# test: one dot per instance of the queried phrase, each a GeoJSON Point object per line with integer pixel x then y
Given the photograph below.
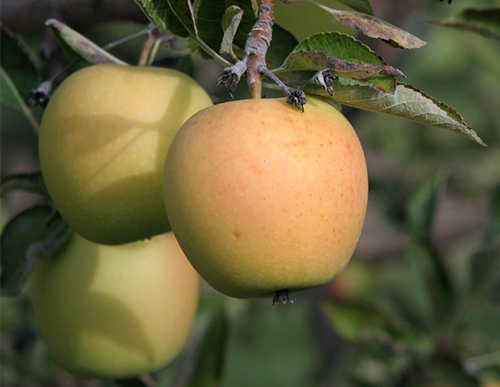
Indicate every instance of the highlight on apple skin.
{"type": "Point", "coordinates": [103, 141]}
{"type": "Point", "coordinates": [263, 198]}
{"type": "Point", "coordinates": [114, 312]}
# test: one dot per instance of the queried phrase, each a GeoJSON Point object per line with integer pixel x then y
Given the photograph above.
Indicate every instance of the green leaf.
{"type": "Point", "coordinates": [195, 48]}
{"type": "Point", "coordinates": [184, 14]}
{"type": "Point", "coordinates": [485, 271]}
{"type": "Point", "coordinates": [345, 56]}
{"type": "Point", "coordinates": [437, 280]}
{"type": "Point", "coordinates": [484, 21]}
{"type": "Point", "coordinates": [10, 96]}
{"type": "Point", "coordinates": [19, 63]}
{"type": "Point", "coordinates": [421, 214]}
{"type": "Point", "coordinates": [274, 346]}
{"type": "Point", "coordinates": [359, 322]}
{"type": "Point", "coordinates": [79, 46]}
{"type": "Point", "coordinates": [173, 16]}
{"type": "Point", "coordinates": [209, 364]}
{"type": "Point", "coordinates": [484, 324]}
{"type": "Point", "coordinates": [422, 209]}
{"type": "Point", "coordinates": [283, 42]}
{"type": "Point", "coordinates": [406, 102]}
{"type": "Point", "coordinates": [495, 228]}
{"type": "Point", "coordinates": [178, 17]}
{"type": "Point", "coordinates": [18, 74]}
{"type": "Point", "coordinates": [451, 371]}
{"type": "Point", "coordinates": [496, 293]}
{"type": "Point", "coordinates": [355, 322]}
{"type": "Point", "coordinates": [374, 27]}
{"type": "Point", "coordinates": [318, 60]}
{"type": "Point", "coordinates": [363, 6]}
{"type": "Point", "coordinates": [208, 16]}
{"type": "Point", "coordinates": [230, 22]}
{"type": "Point", "coordinates": [29, 182]}
{"type": "Point", "coordinates": [35, 233]}
{"type": "Point", "coordinates": [247, 21]}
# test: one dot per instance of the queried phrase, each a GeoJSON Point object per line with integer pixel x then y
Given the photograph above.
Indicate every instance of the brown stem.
{"type": "Point", "coordinates": [153, 34]}
{"type": "Point", "coordinates": [256, 47]}
{"type": "Point", "coordinates": [253, 63]}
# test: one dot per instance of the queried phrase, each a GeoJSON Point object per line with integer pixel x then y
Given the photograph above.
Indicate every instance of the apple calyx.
{"type": "Point", "coordinates": [282, 296]}
{"type": "Point", "coordinates": [297, 98]}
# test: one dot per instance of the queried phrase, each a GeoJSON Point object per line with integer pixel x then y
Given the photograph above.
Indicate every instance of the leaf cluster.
{"type": "Point", "coordinates": [366, 81]}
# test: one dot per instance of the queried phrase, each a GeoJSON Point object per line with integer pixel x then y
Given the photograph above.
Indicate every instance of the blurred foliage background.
{"type": "Point", "coordinates": [419, 304]}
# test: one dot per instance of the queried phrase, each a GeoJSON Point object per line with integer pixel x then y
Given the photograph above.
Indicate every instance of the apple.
{"type": "Point", "coordinates": [103, 141]}
{"type": "Point", "coordinates": [115, 311]}
{"type": "Point", "coordinates": [304, 19]}
{"type": "Point", "coordinates": [263, 198]}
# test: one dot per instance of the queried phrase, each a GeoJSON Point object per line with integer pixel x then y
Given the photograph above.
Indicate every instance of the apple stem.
{"type": "Point", "coordinates": [256, 47]}
{"type": "Point", "coordinates": [282, 296]}
{"type": "Point", "coordinates": [254, 59]}
{"type": "Point", "coordinates": [151, 39]}
{"type": "Point", "coordinates": [253, 63]}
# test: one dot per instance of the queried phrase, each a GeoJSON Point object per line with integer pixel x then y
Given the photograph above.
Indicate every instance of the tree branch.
{"type": "Point", "coordinates": [256, 47]}
{"type": "Point", "coordinates": [253, 63]}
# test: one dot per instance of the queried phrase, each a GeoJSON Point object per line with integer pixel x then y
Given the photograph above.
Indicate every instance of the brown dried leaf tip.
{"type": "Point", "coordinates": [325, 79]}
{"type": "Point", "coordinates": [231, 76]}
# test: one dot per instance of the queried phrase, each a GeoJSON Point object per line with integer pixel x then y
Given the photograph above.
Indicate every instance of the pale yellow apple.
{"type": "Point", "coordinates": [262, 197]}
{"type": "Point", "coordinates": [103, 141]}
{"type": "Point", "coordinates": [115, 311]}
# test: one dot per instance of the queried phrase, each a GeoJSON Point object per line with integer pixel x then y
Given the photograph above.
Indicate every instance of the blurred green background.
{"type": "Point", "coordinates": [417, 306]}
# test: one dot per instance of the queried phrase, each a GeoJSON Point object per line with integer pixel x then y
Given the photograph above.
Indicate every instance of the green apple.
{"type": "Point", "coordinates": [103, 141]}
{"type": "Point", "coordinates": [305, 19]}
{"type": "Point", "coordinates": [115, 311]}
{"type": "Point", "coordinates": [263, 197]}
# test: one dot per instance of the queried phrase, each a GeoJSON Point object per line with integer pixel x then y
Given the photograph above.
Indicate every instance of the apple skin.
{"type": "Point", "coordinates": [115, 311]}
{"type": "Point", "coordinates": [103, 141]}
{"type": "Point", "coordinates": [262, 197]}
